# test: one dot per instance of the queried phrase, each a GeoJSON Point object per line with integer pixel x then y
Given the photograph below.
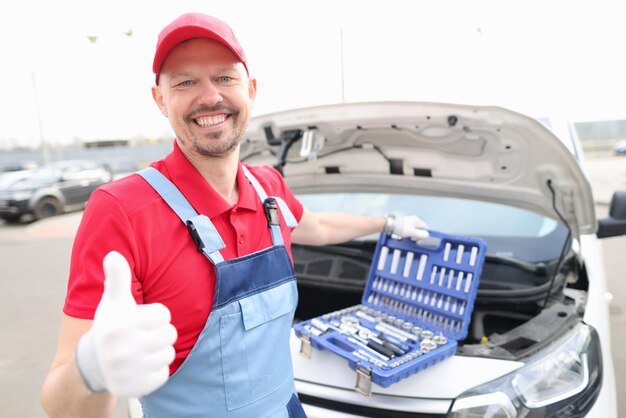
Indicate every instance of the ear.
{"type": "Point", "coordinates": [252, 88]}
{"type": "Point", "coordinates": [159, 99]}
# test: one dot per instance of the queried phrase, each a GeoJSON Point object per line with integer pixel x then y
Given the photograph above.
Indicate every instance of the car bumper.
{"type": "Point", "coordinates": [13, 207]}
{"type": "Point", "coordinates": [328, 405]}
{"type": "Point", "coordinates": [422, 395]}
{"type": "Point", "coordinates": [324, 401]}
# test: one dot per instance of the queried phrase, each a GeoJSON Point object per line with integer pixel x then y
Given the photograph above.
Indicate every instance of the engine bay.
{"type": "Point", "coordinates": [520, 305]}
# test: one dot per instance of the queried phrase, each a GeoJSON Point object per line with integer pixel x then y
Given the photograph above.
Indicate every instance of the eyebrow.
{"type": "Point", "coordinates": [180, 74]}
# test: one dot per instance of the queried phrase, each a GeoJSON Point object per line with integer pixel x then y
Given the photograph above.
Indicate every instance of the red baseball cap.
{"type": "Point", "coordinates": [195, 25]}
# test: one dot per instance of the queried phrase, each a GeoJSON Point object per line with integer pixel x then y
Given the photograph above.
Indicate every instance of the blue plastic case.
{"type": "Point", "coordinates": [425, 289]}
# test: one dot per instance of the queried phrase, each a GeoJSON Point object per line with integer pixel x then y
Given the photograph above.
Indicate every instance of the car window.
{"type": "Point", "coordinates": [46, 174]}
{"type": "Point", "coordinates": [510, 231]}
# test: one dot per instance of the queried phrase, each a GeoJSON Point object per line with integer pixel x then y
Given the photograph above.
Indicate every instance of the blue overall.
{"type": "Point", "coordinates": [240, 367]}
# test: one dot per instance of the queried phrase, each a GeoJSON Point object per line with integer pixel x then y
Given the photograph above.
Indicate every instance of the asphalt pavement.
{"type": "Point", "coordinates": [33, 275]}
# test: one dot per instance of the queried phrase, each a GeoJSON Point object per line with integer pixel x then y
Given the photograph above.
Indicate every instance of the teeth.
{"type": "Point", "coordinates": [205, 121]}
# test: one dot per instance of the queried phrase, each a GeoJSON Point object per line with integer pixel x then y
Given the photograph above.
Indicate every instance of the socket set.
{"type": "Point", "coordinates": [417, 303]}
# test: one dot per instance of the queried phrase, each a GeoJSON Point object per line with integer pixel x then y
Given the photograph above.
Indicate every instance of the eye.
{"type": "Point", "coordinates": [225, 78]}
{"type": "Point", "coordinates": [185, 83]}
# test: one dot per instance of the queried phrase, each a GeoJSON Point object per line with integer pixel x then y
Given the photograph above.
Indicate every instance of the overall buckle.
{"type": "Point", "coordinates": [193, 231]}
{"type": "Point", "coordinates": [271, 211]}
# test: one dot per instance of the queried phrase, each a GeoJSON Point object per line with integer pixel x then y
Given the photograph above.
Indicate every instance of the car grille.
{"type": "Point", "coordinates": [361, 410]}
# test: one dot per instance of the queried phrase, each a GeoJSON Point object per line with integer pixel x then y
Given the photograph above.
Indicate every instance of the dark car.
{"type": "Point", "coordinates": [52, 189]}
{"type": "Point", "coordinates": [18, 166]}
{"type": "Point", "coordinates": [620, 148]}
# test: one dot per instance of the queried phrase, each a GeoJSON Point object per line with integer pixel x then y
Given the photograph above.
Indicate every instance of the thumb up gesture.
{"type": "Point", "coordinates": [129, 347]}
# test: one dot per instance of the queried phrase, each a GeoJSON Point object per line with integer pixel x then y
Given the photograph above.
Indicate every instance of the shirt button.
{"type": "Point", "coordinates": [234, 210]}
{"type": "Point", "coordinates": [242, 239]}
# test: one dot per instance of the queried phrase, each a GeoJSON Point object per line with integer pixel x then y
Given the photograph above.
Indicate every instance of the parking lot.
{"type": "Point", "coordinates": [35, 266]}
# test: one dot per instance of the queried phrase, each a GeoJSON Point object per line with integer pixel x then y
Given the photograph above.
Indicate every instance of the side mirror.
{"type": "Point", "coordinates": [615, 224]}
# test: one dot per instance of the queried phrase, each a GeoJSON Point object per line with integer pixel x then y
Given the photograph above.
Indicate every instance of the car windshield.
{"type": "Point", "coordinates": [509, 231]}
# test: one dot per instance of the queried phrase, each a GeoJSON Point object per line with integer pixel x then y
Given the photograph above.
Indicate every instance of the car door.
{"type": "Point", "coordinates": [73, 184]}
{"type": "Point", "coordinates": [80, 180]}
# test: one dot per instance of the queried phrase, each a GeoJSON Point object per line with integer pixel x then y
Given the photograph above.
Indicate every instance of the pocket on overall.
{"type": "Point", "coordinates": [256, 359]}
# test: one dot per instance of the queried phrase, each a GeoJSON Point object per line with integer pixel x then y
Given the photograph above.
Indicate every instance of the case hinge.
{"type": "Point", "coordinates": [305, 346]}
{"type": "Point", "coordinates": [363, 380]}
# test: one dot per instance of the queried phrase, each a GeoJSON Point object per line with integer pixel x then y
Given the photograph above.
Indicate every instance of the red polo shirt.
{"type": "Point", "coordinates": [130, 217]}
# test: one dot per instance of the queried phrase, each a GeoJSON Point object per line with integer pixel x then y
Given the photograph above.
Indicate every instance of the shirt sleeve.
{"type": "Point", "coordinates": [104, 227]}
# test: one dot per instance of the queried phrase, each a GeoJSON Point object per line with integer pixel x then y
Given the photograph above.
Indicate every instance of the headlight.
{"type": "Point", "coordinates": [563, 380]}
{"type": "Point", "coordinates": [21, 195]}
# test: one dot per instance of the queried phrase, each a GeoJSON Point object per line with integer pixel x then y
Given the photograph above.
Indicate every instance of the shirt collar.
{"type": "Point", "coordinates": [248, 197]}
{"type": "Point", "coordinates": [199, 192]}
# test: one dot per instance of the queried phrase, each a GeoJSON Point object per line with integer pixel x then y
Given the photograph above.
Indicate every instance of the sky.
{"type": "Point", "coordinates": [536, 57]}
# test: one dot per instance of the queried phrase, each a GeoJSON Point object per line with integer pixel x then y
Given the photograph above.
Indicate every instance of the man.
{"type": "Point", "coordinates": [191, 308]}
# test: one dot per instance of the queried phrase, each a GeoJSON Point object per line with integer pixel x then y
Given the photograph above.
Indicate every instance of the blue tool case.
{"type": "Point", "coordinates": [417, 303]}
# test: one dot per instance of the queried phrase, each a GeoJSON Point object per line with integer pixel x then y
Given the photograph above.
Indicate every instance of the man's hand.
{"type": "Point", "coordinates": [406, 227]}
{"type": "Point", "coordinates": [129, 348]}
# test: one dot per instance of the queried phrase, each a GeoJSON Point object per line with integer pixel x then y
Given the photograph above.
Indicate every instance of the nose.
{"type": "Point", "coordinates": [210, 93]}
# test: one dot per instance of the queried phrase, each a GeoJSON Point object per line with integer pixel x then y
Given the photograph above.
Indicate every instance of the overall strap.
{"type": "Point", "coordinates": [200, 227]}
{"type": "Point", "coordinates": [269, 204]}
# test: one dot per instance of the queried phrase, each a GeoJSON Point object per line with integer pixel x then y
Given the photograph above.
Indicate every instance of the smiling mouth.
{"type": "Point", "coordinates": [207, 121]}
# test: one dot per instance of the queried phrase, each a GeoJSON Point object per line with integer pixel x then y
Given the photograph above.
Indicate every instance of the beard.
{"type": "Point", "coordinates": [213, 144]}
{"type": "Point", "coordinates": [213, 148]}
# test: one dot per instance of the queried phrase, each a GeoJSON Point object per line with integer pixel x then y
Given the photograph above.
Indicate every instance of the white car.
{"type": "Point", "coordinates": [539, 341]}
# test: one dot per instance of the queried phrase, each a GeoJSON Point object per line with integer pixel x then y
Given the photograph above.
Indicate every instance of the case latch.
{"type": "Point", "coordinates": [305, 346]}
{"type": "Point", "coordinates": [363, 380]}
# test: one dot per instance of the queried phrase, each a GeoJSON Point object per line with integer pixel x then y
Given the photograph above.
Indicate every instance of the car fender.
{"type": "Point", "coordinates": [44, 192]}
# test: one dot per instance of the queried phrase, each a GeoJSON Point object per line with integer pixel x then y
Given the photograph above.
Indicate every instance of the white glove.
{"type": "Point", "coordinates": [129, 347]}
{"type": "Point", "coordinates": [406, 227]}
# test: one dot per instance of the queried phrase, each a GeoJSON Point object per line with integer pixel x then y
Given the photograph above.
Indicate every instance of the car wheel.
{"type": "Point", "coordinates": [46, 207]}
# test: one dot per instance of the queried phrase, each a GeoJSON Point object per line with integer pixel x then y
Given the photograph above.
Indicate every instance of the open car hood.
{"type": "Point", "coordinates": [478, 152]}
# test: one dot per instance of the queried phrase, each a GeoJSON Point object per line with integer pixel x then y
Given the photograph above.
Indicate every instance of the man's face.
{"type": "Point", "coordinates": [207, 96]}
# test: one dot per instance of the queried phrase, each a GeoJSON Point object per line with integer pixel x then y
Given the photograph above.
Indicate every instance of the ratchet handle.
{"type": "Point", "coordinates": [381, 349]}
{"type": "Point", "coordinates": [397, 350]}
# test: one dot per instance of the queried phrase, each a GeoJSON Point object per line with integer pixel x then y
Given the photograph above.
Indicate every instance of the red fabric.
{"type": "Point", "coordinates": [130, 217]}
